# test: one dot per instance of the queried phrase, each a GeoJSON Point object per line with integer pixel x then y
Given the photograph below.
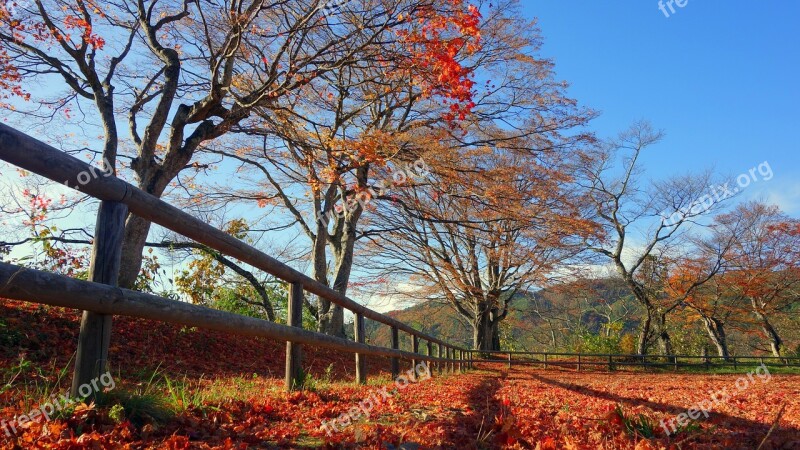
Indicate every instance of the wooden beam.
{"type": "Point", "coordinates": [91, 359]}
{"type": "Point", "coordinates": [36, 286]}
{"type": "Point", "coordinates": [294, 351]}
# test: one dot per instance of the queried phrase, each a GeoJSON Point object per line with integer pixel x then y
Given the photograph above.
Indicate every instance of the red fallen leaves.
{"type": "Point", "coordinates": [519, 409]}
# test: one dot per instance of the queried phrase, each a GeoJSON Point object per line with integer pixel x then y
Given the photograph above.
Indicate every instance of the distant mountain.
{"type": "Point", "coordinates": [535, 321]}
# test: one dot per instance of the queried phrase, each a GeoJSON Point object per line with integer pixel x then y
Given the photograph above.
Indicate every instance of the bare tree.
{"type": "Point", "coordinates": [642, 225]}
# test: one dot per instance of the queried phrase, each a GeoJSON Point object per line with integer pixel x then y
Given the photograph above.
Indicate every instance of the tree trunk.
{"type": "Point", "coordinates": [331, 319]}
{"type": "Point", "coordinates": [664, 339]}
{"type": "Point", "coordinates": [644, 334]}
{"type": "Point", "coordinates": [775, 341]}
{"type": "Point", "coordinates": [153, 179]}
{"type": "Point", "coordinates": [136, 231]}
{"type": "Point", "coordinates": [716, 331]}
{"type": "Point", "coordinates": [486, 332]}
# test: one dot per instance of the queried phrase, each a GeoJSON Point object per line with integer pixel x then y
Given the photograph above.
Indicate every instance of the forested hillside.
{"type": "Point", "coordinates": [586, 316]}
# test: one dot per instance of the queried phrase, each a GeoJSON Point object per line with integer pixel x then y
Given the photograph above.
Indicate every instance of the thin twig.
{"type": "Point", "coordinates": [774, 425]}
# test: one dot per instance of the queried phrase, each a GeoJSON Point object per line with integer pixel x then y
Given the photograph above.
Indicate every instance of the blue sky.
{"type": "Point", "coordinates": [721, 78]}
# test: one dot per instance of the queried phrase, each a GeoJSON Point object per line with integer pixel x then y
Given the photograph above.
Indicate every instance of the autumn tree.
{"type": "Point", "coordinates": [710, 300]}
{"type": "Point", "coordinates": [478, 241]}
{"type": "Point", "coordinates": [763, 264]}
{"type": "Point", "coordinates": [475, 232]}
{"type": "Point", "coordinates": [178, 74]}
{"type": "Point", "coordinates": [358, 132]}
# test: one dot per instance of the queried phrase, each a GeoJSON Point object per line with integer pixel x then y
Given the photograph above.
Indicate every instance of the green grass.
{"type": "Point", "coordinates": [34, 384]}
{"type": "Point", "coordinates": [637, 425]}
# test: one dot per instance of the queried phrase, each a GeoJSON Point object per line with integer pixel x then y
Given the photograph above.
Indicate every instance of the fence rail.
{"type": "Point", "coordinates": [100, 299]}
{"type": "Point", "coordinates": [613, 361]}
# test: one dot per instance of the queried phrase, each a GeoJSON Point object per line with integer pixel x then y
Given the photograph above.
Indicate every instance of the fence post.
{"type": "Point", "coordinates": [361, 362]}
{"type": "Point", "coordinates": [735, 366]}
{"type": "Point", "coordinates": [545, 360]}
{"type": "Point", "coordinates": [430, 353]}
{"type": "Point", "coordinates": [414, 349]}
{"type": "Point", "coordinates": [395, 346]}
{"type": "Point", "coordinates": [439, 362]}
{"type": "Point", "coordinates": [460, 361]}
{"type": "Point", "coordinates": [448, 364]}
{"type": "Point", "coordinates": [610, 363]}
{"type": "Point", "coordinates": [509, 360]}
{"type": "Point", "coordinates": [91, 359]}
{"type": "Point", "coordinates": [294, 352]}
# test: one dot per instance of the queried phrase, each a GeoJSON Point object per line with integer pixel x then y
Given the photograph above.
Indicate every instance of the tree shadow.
{"type": "Point", "coordinates": [475, 426]}
{"type": "Point", "coordinates": [781, 437]}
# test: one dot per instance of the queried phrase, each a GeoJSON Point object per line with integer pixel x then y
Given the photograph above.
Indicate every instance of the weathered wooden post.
{"type": "Point", "coordinates": [509, 360]}
{"type": "Point", "coordinates": [294, 352]}
{"type": "Point", "coordinates": [91, 359]}
{"type": "Point", "coordinates": [450, 355]}
{"type": "Point", "coordinates": [414, 349]}
{"type": "Point", "coordinates": [395, 346]}
{"type": "Point", "coordinates": [460, 361]}
{"type": "Point", "coordinates": [430, 353]}
{"type": "Point", "coordinates": [439, 362]}
{"type": "Point", "coordinates": [361, 361]}
{"type": "Point", "coordinates": [545, 360]}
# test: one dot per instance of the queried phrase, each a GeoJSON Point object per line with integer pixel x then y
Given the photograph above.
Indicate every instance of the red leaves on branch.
{"type": "Point", "coordinates": [34, 28]}
{"type": "Point", "coordinates": [439, 42]}
{"type": "Point", "coordinates": [85, 28]}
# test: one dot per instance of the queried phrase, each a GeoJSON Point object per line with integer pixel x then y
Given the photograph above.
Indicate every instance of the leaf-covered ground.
{"type": "Point", "coordinates": [225, 392]}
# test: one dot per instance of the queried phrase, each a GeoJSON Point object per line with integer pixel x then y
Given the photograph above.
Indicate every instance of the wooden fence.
{"type": "Point", "coordinates": [613, 361]}
{"type": "Point", "coordinates": [101, 299]}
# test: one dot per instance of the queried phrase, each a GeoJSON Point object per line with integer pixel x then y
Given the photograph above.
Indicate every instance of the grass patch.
{"type": "Point", "coordinates": [637, 425]}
